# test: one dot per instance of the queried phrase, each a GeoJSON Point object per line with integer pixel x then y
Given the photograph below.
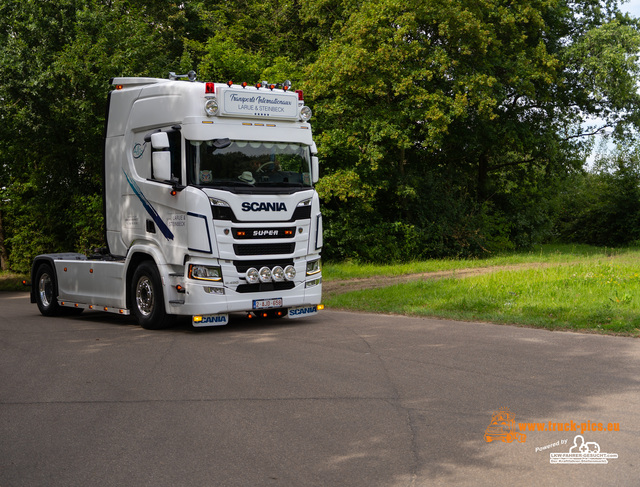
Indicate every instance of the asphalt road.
{"type": "Point", "coordinates": [341, 399]}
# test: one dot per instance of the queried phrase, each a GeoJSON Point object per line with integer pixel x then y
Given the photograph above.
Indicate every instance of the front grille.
{"type": "Point", "coordinates": [262, 233]}
{"type": "Point", "coordinates": [264, 249]}
{"type": "Point", "coordinates": [243, 266]}
{"type": "Point", "coordinates": [266, 287]}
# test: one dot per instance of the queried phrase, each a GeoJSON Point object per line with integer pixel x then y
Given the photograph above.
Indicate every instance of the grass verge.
{"type": "Point", "coordinates": [595, 289]}
{"type": "Point", "coordinates": [547, 254]}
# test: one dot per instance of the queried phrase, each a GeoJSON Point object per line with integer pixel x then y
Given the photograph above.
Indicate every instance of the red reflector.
{"type": "Point", "coordinates": [300, 95]}
{"type": "Point", "coordinates": [209, 88]}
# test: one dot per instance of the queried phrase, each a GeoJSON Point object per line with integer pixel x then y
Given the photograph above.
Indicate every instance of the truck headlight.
{"type": "Point", "coordinates": [277, 273]}
{"type": "Point", "coordinates": [290, 273]}
{"type": "Point", "coordinates": [252, 276]}
{"type": "Point", "coordinates": [313, 267]}
{"type": "Point", "coordinates": [265, 274]}
{"type": "Point", "coordinates": [205, 272]}
{"type": "Point", "coordinates": [211, 107]}
{"type": "Point", "coordinates": [217, 202]}
{"type": "Point", "coordinates": [305, 113]}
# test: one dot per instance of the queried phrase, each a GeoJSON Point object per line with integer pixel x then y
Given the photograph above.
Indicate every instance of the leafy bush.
{"type": "Point", "coordinates": [602, 205]}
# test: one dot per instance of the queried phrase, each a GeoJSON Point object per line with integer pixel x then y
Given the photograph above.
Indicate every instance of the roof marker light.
{"type": "Point", "coordinates": [245, 84]}
{"type": "Point", "coordinates": [229, 83]}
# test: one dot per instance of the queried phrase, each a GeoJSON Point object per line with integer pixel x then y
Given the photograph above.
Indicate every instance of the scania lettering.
{"type": "Point", "coordinates": [212, 320]}
{"type": "Point", "coordinates": [209, 208]}
{"type": "Point", "coordinates": [246, 206]}
{"type": "Point", "coordinates": [306, 311]}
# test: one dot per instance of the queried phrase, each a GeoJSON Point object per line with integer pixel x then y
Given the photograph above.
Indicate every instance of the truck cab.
{"type": "Point", "coordinates": [209, 208]}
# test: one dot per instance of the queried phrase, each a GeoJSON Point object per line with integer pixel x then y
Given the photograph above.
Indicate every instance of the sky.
{"type": "Point", "coordinates": [633, 8]}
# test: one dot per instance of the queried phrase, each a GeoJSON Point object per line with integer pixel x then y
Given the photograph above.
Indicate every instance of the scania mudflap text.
{"type": "Point", "coordinates": [209, 208]}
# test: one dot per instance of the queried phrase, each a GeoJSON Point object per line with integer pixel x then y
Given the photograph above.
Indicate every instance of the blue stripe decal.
{"type": "Point", "coordinates": [150, 209]}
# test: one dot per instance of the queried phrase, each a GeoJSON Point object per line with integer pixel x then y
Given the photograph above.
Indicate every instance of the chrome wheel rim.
{"type": "Point", "coordinates": [45, 290]}
{"type": "Point", "coordinates": [144, 296]}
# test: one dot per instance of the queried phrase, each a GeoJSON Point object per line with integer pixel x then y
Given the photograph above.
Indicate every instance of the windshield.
{"type": "Point", "coordinates": [248, 163]}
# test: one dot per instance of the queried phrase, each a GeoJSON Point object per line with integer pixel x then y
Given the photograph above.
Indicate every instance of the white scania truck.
{"type": "Point", "coordinates": [209, 208]}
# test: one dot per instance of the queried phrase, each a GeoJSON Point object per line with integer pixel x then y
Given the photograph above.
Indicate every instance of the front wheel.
{"type": "Point", "coordinates": [147, 300]}
{"type": "Point", "coordinates": [46, 295]}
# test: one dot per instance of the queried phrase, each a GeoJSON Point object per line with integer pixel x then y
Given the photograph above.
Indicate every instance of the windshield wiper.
{"type": "Point", "coordinates": [231, 183]}
{"type": "Point", "coordinates": [280, 183]}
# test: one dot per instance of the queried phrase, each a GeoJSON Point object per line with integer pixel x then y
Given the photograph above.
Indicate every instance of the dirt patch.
{"type": "Point", "coordinates": [332, 288]}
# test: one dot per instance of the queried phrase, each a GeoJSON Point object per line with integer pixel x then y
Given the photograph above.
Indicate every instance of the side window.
{"type": "Point", "coordinates": [175, 147]}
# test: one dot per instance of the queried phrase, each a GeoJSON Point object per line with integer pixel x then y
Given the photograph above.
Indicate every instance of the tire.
{"type": "Point", "coordinates": [147, 300]}
{"type": "Point", "coordinates": [46, 291]}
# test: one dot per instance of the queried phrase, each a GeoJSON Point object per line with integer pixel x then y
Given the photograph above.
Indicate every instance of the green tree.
{"type": "Point", "coordinates": [56, 60]}
{"type": "Point", "coordinates": [485, 98]}
{"type": "Point", "coordinates": [601, 206]}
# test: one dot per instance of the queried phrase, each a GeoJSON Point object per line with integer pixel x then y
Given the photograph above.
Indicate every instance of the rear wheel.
{"type": "Point", "coordinates": [147, 299]}
{"type": "Point", "coordinates": [46, 296]}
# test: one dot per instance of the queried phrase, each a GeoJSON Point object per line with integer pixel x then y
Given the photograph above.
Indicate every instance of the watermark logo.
{"type": "Point", "coordinates": [503, 428]}
{"type": "Point", "coordinates": [582, 452]}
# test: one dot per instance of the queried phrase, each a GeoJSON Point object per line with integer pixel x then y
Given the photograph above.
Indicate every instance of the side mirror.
{"type": "Point", "coordinates": [159, 141]}
{"type": "Point", "coordinates": [161, 157]}
{"type": "Point", "coordinates": [161, 165]}
{"type": "Point", "coordinates": [315, 169]}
